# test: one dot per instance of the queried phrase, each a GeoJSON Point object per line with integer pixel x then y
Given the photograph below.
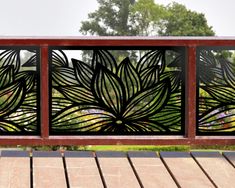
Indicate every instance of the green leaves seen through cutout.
{"type": "Point", "coordinates": [104, 58]}
{"type": "Point", "coordinates": [129, 77]}
{"type": "Point", "coordinates": [148, 102]}
{"type": "Point", "coordinates": [18, 90]}
{"type": "Point", "coordinates": [77, 94]}
{"type": "Point", "coordinates": [10, 58]}
{"type": "Point", "coordinates": [109, 96]}
{"type": "Point", "coordinates": [11, 97]}
{"type": "Point", "coordinates": [83, 73]}
{"type": "Point", "coordinates": [108, 88]}
{"type": "Point", "coordinates": [6, 75]}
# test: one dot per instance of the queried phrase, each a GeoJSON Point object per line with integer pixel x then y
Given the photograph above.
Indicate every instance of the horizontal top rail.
{"type": "Point", "coordinates": [119, 41]}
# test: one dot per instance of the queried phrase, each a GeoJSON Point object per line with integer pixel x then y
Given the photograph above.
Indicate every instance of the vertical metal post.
{"type": "Point", "coordinates": [190, 97]}
{"type": "Point", "coordinates": [44, 93]}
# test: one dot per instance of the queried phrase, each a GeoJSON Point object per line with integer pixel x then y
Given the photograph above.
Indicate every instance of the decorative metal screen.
{"type": "Point", "coordinates": [19, 91]}
{"type": "Point", "coordinates": [216, 91]}
{"type": "Point", "coordinates": [117, 91]}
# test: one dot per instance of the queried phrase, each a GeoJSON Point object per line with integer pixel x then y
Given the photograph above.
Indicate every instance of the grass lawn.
{"type": "Point", "coordinates": [125, 148]}
{"type": "Point", "coordinates": [158, 148]}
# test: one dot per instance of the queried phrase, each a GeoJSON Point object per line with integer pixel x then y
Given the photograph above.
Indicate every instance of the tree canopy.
{"type": "Point", "coordinates": [179, 21]}
{"type": "Point", "coordinates": [144, 18]}
{"type": "Point", "coordinates": [111, 18]}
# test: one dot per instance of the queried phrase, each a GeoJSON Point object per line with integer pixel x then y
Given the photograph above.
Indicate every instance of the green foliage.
{"type": "Point", "coordinates": [144, 18]}
{"type": "Point", "coordinates": [110, 19]}
{"type": "Point", "coordinates": [126, 148]}
{"type": "Point", "coordinates": [179, 21]}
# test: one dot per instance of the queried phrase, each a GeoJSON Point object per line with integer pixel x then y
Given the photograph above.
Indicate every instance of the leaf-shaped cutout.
{"type": "Point", "coordinates": [6, 75]}
{"type": "Point", "coordinates": [149, 76]}
{"type": "Point", "coordinates": [59, 102]}
{"type": "Point", "coordinates": [11, 97]}
{"type": "Point", "coordinates": [108, 89]}
{"type": "Point", "coordinates": [148, 102]}
{"type": "Point", "coordinates": [169, 116]}
{"type": "Point", "coordinates": [10, 58]}
{"type": "Point", "coordinates": [228, 69]}
{"type": "Point", "coordinates": [207, 58]}
{"type": "Point", "coordinates": [222, 118]}
{"type": "Point", "coordinates": [31, 62]}
{"type": "Point", "coordinates": [176, 62]}
{"type": "Point", "coordinates": [147, 126]}
{"type": "Point", "coordinates": [211, 76]}
{"type": "Point", "coordinates": [29, 77]}
{"type": "Point", "coordinates": [59, 59]}
{"type": "Point", "coordinates": [129, 77]}
{"type": "Point", "coordinates": [63, 76]}
{"type": "Point", "coordinates": [217, 113]}
{"type": "Point", "coordinates": [152, 59]}
{"type": "Point", "coordinates": [76, 94]}
{"type": "Point", "coordinates": [206, 102]}
{"type": "Point", "coordinates": [104, 58]}
{"type": "Point", "coordinates": [9, 127]}
{"type": "Point", "coordinates": [175, 78]}
{"type": "Point", "coordinates": [23, 117]}
{"type": "Point", "coordinates": [83, 73]}
{"type": "Point", "coordinates": [30, 101]}
{"type": "Point", "coordinates": [81, 119]}
{"type": "Point", "coordinates": [223, 94]}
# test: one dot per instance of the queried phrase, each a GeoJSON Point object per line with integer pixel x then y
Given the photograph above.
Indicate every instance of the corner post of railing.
{"type": "Point", "coordinates": [190, 97]}
{"type": "Point", "coordinates": [44, 93]}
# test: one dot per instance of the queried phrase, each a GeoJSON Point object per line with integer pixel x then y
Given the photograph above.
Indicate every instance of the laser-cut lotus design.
{"type": "Point", "coordinates": [104, 97]}
{"type": "Point", "coordinates": [216, 93]}
{"type": "Point", "coordinates": [17, 92]}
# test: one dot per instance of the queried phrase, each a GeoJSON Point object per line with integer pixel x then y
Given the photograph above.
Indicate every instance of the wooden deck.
{"type": "Point", "coordinates": [116, 169]}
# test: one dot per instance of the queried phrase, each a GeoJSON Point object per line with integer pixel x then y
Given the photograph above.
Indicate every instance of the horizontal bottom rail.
{"type": "Point", "coordinates": [117, 140]}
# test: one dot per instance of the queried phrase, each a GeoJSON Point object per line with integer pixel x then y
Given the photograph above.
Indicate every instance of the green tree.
{"type": "Point", "coordinates": [110, 19]}
{"type": "Point", "coordinates": [144, 18]}
{"type": "Point", "coordinates": [179, 21]}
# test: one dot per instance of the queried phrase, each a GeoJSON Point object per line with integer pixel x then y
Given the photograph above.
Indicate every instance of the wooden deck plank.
{"type": "Point", "coordinates": [48, 170]}
{"type": "Point", "coordinates": [217, 167]}
{"type": "Point", "coordinates": [185, 170]}
{"type": "Point", "coordinates": [151, 171]}
{"type": "Point", "coordinates": [82, 170]}
{"type": "Point", "coordinates": [116, 170]}
{"type": "Point", "coordinates": [230, 156]}
{"type": "Point", "coordinates": [15, 169]}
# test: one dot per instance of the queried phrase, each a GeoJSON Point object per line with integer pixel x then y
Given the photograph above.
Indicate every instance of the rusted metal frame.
{"type": "Point", "coordinates": [190, 94]}
{"type": "Point", "coordinates": [115, 140]}
{"type": "Point", "coordinates": [119, 41]}
{"type": "Point", "coordinates": [44, 93]}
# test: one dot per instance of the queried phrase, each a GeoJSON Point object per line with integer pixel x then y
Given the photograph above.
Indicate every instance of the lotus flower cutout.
{"type": "Point", "coordinates": [106, 97]}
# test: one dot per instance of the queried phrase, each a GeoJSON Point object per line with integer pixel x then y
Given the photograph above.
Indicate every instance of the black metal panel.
{"type": "Point", "coordinates": [19, 91]}
{"type": "Point", "coordinates": [117, 91]}
{"type": "Point", "coordinates": [216, 91]}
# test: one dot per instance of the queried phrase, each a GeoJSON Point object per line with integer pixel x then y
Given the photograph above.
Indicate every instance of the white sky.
{"type": "Point", "coordinates": [63, 17]}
